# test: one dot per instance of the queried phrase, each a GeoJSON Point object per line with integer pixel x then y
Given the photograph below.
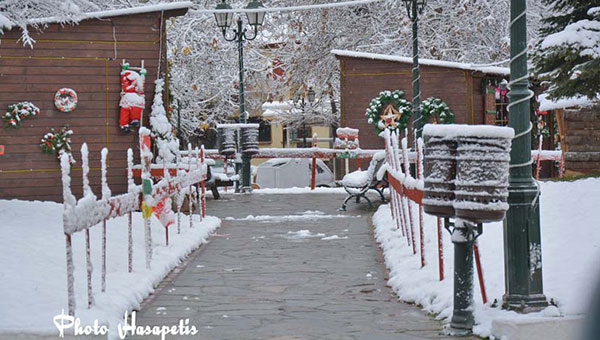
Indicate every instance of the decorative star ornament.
{"type": "Point", "coordinates": [389, 116]}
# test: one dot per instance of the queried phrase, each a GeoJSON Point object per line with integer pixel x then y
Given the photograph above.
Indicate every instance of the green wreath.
{"type": "Point", "coordinates": [378, 106]}
{"type": "Point", "coordinates": [438, 109]}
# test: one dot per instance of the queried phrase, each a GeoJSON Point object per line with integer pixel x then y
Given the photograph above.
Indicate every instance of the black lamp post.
{"type": "Point", "coordinates": [414, 9]}
{"type": "Point", "coordinates": [310, 95]}
{"type": "Point", "coordinates": [255, 19]}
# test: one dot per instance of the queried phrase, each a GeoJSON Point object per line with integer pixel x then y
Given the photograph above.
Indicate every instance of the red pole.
{"type": "Point", "coordinates": [203, 185]}
{"type": "Point", "coordinates": [358, 164]}
{"type": "Point", "coordinates": [421, 234]}
{"type": "Point", "coordinates": [313, 177]}
{"type": "Point", "coordinates": [313, 173]}
{"type": "Point", "coordinates": [440, 249]}
{"type": "Point", "coordinates": [104, 256]}
{"type": "Point", "coordinates": [539, 158]}
{"type": "Point", "coordinates": [479, 273]}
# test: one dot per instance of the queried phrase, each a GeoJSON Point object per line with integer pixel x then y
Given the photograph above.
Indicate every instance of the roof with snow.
{"type": "Point", "coordinates": [547, 104]}
{"type": "Point", "coordinates": [505, 71]}
{"type": "Point", "coordinates": [274, 109]}
{"type": "Point", "coordinates": [171, 6]}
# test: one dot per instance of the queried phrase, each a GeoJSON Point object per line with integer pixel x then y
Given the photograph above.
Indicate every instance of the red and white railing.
{"type": "Point", "coordinates": [89, 211]}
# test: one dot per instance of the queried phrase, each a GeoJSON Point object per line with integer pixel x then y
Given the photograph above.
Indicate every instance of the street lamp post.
{"type": "Point", "coordinates": [311, 99]}
{"type": "Point", "coordinates": [414, 8]}
{"type": "Point", "coordinates": [255, 19]}
{"type": "Point", "coordinates": [522, 241]}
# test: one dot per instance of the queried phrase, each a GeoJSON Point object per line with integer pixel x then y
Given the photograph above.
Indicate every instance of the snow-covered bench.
{"type": "Point", "coordinates": [359, 182]}
{"type": "Point", "coordinates": [218, 179]}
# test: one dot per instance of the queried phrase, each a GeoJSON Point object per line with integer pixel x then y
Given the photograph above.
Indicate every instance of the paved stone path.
{"type": "Point", "coordinates": [256, 280]}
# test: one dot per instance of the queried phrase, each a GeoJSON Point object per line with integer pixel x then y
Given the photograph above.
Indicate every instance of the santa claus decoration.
{"type": "Point", "coordinates": [132, 96]}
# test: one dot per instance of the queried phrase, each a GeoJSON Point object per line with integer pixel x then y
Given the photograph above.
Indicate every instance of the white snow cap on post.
{"type": "Point", "coordinates": [105, 189]}
{"type": "Point", "coordinates": [463, 130]}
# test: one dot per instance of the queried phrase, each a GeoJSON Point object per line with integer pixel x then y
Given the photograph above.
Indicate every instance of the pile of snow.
{"type": "Point", "coordinates": [33, 266]}
{"type": "Point", "coordinates": [304, 233]}
{"type": "Point", "coordinates": [570, 253]}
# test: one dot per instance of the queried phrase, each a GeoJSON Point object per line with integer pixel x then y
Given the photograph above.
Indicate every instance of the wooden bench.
{"type": "Point", "coordinates": [359, 182]}
{"type": "Point", "coordinates": [219, 180]}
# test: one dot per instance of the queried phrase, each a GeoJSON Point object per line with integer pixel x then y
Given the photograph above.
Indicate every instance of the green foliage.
{"type": "Point", "coordinates": [57, 143]}
{"type": "Point", "coordinates": [18, 112]}
{"type": "Point", "coordinates": [438, 109]}
{"type": "Point", "coordinates": [567, 58]}
{"type": "Point", "coordinates": [379, 104]}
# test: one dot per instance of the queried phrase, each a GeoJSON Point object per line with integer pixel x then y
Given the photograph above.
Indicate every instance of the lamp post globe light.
{"type": "Point", "coordinates": [255, 19]}
{"type": "Point", "coordinates": [414, 9]}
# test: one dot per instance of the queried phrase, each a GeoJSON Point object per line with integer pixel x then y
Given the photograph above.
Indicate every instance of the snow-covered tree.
{"type": "Point", "coordinates": [568, 55]}
{"type": "Point", "coordinates": [19, 13]}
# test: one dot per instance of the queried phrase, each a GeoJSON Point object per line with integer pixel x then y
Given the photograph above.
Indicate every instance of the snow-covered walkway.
{"type": "Point", "coordinates": [297, 268]}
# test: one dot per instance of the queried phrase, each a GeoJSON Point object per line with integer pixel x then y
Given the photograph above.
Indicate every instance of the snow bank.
{"type": "Point", "coordinates": [570, 248]}
{"type": "Point", "coordinates": [34, 287]}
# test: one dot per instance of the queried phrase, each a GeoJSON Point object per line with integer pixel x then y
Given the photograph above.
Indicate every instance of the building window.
{"type": "Point", "coordinates": [501, 96]}
{"type": "Point", "coordinates": [297, 135]}
{"type": "Point", "coordinates": [264, 129]}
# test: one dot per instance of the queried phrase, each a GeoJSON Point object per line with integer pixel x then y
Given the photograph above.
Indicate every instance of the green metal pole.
{"type": "Point", "coordinates": [245, 158]}
{"type": "Point", "coordinates": [522, 243]}
{"type": "Point", "coordinates": [463, 237]}
{"type": "Point", "coordinates": [416, 88]}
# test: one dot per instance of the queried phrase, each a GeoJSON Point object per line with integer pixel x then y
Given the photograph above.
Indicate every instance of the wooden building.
{"type": "Point", "coordinates": [87, 58]}
{"type": "Point", "coordinates": [468, 90]}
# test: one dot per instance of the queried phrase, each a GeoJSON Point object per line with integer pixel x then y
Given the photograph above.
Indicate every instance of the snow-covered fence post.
{"type": "Point", "coordinates": [203, 184]}
{"type": "Point", "coordinates": [313, 175]}
{"type": "Point", "coordinates": [420, 177]}
{"type": "Point", "coordinates": [147, 201]}
{"type": "Point", "coordinates": [167, 178]}
{"type": "Point", "coordinates": [87, 195]}
{"type": "Point", "coordinates": [68, 205]}
{"type": "Point", "coordinates": [408, 200]}
{"type": "Point", "coordinates": [130, 186]}
{"type": "Point", "coordinates": [105, 196]}
{"type": "Point", "coordinates": [393, 194]}
{"type": "Point", "coordinates": [197, 185]}
{"type": "Point", "coordinates": [190, 193]}
{"type": "Point", "coordinates": [178, 195]}
{"type": "Point", "coordinates": [539, 158]}
{"type": "Point", "coordinates": [440, 249]}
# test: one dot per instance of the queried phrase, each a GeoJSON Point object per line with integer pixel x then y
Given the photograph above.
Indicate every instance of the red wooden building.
{"type": "Point", "coordinates": [468, 90]}
{"type": "Point", "coordinates": [87, 58]}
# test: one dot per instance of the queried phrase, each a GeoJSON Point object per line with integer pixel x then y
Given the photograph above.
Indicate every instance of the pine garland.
{"type": "Point", "coordinates": [58, 143]}
{"type": "Point", "coordinates": [18, 112]}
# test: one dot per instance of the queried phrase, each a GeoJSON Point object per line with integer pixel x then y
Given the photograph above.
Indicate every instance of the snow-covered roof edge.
{"type": "Point", "coordinates": [505, 71]}
{"type": "Point", "coordinates": [171, 6]}
{"type": "Point", "coordinates": [564, 103]}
